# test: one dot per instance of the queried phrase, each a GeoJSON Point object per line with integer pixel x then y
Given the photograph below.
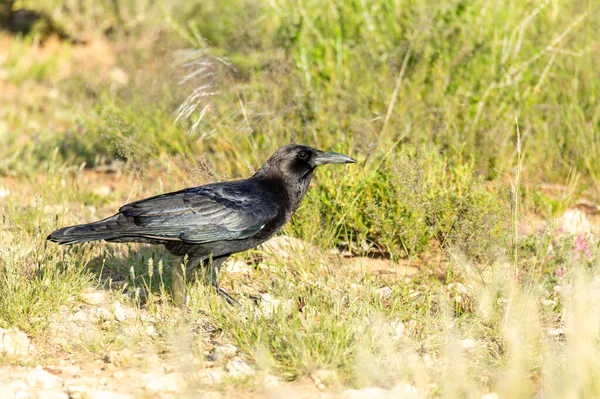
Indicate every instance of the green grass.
{"type": "Point", "coordinates": [427, 96]}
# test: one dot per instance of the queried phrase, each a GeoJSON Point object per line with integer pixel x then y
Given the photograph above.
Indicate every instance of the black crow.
{"type": "Point", "coordinates": [206, 224]}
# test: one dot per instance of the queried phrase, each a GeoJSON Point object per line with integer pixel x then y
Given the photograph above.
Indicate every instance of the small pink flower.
{"type": "Point", "coordinates": [522, 229]}
{"type": "Point", "coordinates": [561, 271]}
{"type": "Point", "coordinates": [581, 246]}
{"type": "Point", "coordinates": [539, 228]}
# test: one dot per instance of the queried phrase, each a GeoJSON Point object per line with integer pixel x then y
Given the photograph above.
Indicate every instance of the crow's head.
{"type": "Point", "coordinates": [299, 161]}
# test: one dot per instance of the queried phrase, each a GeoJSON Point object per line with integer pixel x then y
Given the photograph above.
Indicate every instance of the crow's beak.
{"type": "Point", "coordinates": [331, 157]}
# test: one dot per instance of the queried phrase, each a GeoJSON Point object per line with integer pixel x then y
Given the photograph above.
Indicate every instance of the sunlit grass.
{"type": "Point", "coordinates": [436, 148]}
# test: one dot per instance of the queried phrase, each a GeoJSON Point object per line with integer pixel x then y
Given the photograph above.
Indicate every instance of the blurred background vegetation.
{"type": "Point", "coordinates": [428, 95]}
{"type": "Point", "coordinates": [474, 123]}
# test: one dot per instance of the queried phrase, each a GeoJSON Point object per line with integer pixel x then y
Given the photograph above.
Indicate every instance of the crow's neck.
{"type": "Point", "coordinates": [290, 189]}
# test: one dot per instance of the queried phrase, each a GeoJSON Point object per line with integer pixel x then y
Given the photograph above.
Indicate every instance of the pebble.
{"type": "Point", "coordinates": [103, 394]}
{"type": "Point", "coordinates": [407, 391]}
{"type": "Point", "coordinates": [285, 247]}
{"type": "Point", "coordinates": [118, 358]}
{"type": "Point", "coordinates": [467, 344]}
{"type": "Point", "coordinates": [14, 342]}
{"type": "Point", "coordinates": [83, 393]}
{"type": "Point", "coordinates": [238, 368]}
{"type": "Point", "coordinates": [365, 393]}
{"type": "Point", "coordinates": [40, 378]}
{"type": "Point", "coordinates": [80, 315]}
{"type": "Point", "coordinates": [222, 352]}
{"type": "Point", "coordinates": [104, 314]}
{"type": "Point", "coordinates": [102, 191]}
{"type": "Point", "coordinates": [384, 292]}
{"type": "Point", "coordinates": [118, 76]}
{"type": "Point", "coordinates": [398, 328]}
{"type": "Point", "coordinates": [212, 376]}
{"type": "Point", "coordinates": [93, 297]}
{"type": "Point", "coordinates": [403, 391]}
{"type": "Point", "coordinates": [150, 330]}
{"type": "Point", "coordinates": [320, 377]}
{"type": "Point", "coordinates": [164, 383]}
{"type": "Point", "coordinates": [271, 381]}
{"type": "Point", "coordinates": [237, 266]}
{"type": "Point", "coordinates": [556, 332]}
{"type": "Point", "coordinates": [119, 312]}
{"type": "Point", "coordinates": [269, 305]}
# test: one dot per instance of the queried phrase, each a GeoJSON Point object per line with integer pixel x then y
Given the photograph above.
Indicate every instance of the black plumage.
{"type": "Point", "coordinates": [211, 222]}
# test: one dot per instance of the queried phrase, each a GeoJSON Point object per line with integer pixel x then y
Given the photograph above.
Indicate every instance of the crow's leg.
{"type": "Point", "coordinates": [227, 297]}
{"type": "Point", "coordinates": [178, 279]}
{"type": "Point", "coordinates": [213, 267]}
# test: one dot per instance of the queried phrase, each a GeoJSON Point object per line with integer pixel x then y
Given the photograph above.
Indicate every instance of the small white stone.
{"type": "Point", "coordinates": [57, 394]}
{"type": "Point", "coordinates": [384, 292]}
{"type": "Point", "coordinates": [40, 378]}
{"type": "Point", "coordinates": [467, 344]}
{"type": "Point", "coordinates": [323, 377]}
{"type": "Point", "coordinates": [238, 367]}
{"type": "Point", "coordinates": [397, 328]}
{"type": "Point", "coordinates": [237, 266]}
{"type": "Point", "coordinates": [84, 392]}
{"type": "Point", "coordinates": [55, 209]}
{"type": "Point", "coordinates": [118, 358]}
{"type": "Point", "coordinates": [212, 376]}
{"type": "Point", "coordinates": [4, 192]}
{"type": "Point", "coordinates": [460, 287]}
{"type": "Point", "coordinates": [427, 360]}
{"type": "Point", "coordinates": [354, 287]}
{"type": "Point", "coordinates": [266, 297]}
{"type": "Point", "coordinates": [102, 191]}
{"type": "Point", "coordinates": [284, 247]}
{"type": "Point", "coordinates": [93, 297]}
{"type": "Point", "coordinates": [270, 305]}
{"type": "Point", "coordinates": [222, 352]}
{"type": "Point", "coordinates": [150, 330]}
{"type": "Point", "coordinates": [549, 302]}
{"type": "Point", "coordinates": [365, 393]}
{"type": "Point", "coordinates": [53, 93]}
{"type": "Point", "coordinates": [119, 312]}
{"type": "Point", "coordinates": [556, 332]}
{"type": "Point", "coordinates": [118, 76]}
{"type": "Point", "coordinates": [15, 389]}
{"type": "Point", "coordinates": [406, 391]}
{"type": "Point", "coordinates": [104, 394]}
{"type": "Point", "coordinates": [104, 314]}
{"type": "Point", "coordinates": [80, 315]}
{"type": "Point", "coordinates": [131, 313]}
{"type": "Point", "coordinates": [271, 381]}
{"type": "Point", "coordinates": [413, 294]}
{"type": "Point", "coordinates": [165, 383]}
{"type": "Point", "coordinates": [13, 342]}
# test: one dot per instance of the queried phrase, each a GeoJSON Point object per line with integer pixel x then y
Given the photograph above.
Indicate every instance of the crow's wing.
{"type": "Point", "coordinates": [224, 211]}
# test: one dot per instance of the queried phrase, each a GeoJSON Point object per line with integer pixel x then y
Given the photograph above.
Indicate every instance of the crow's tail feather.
{"type": "Point", "coordinates": [100, 230]}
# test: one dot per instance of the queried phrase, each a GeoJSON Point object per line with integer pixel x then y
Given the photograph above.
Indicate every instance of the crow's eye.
{"type": "Point", "coordinates": [303, 155]}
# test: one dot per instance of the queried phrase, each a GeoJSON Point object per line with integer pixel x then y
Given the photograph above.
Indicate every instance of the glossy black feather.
{"type": "Point", "coordinates": [215, 212]}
